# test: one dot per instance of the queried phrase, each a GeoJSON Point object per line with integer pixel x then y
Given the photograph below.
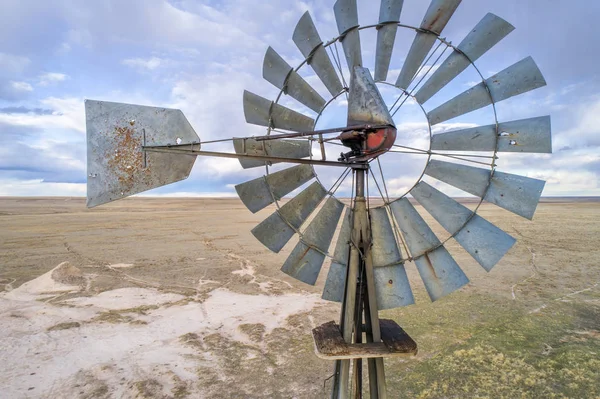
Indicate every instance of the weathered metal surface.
{"type": "Point", "coordinates": [309, 43]}
{"type": "Point", "coordinates": [330, 345]}
{"type": "Point", "coordinates": [386, 37]}
{"type": "Point", "coordinates": [334, 285]}
{"type": "Point", "coordinates": [437, 16]}
{"type": "Point", "coordinates": [384, 250]}
{"type": "Point", "coordinates": [365, 104]}
{"type": "Point", "coordinates": [485, 242]}
{"type": "Point", "coordinates": [256, 110]}
{"type": "Point", "coordinates": [439, 271]}
{"type": "Point", "coordinates": [517, 79]}
{"type": "Point", "coordinates": [259, 193]}
{"type": "Point", "coordinates": [346, 17]}
{"type": "Point", "coordinates": [304, 263]}
{"type": "Point", "coordinates": [276, 230]}
{"type": "Point", "coordinates": [275, 148]}
{"type": "Point", "coordinates": [518, 194]}
{"type": "Point", "coordinates": [116, 165]}
{"type": "Point", "coordinates": [488, 32]}
{"type": "Point", "coordinates": [281, 75]}
{"type": "Point", "coordinates": [392, 287]}
{"type": "Point", "coordinates": [389, 12]}
{"type": "Point", "coordinates": [336, 278]}
{"type": "Point", "coordinates": [306, 36]}
{"type": "Point", "coordinates": [526, 135]}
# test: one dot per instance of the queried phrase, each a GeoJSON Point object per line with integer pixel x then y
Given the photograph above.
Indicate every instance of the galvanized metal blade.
{"type": "Point", "coordinates": [392, 288]}
{"type": "Point", "coordinates": [259, 193]}
{"type": "Point", "coordinates": [391, 282]}
{"type": "Point", "coordinates": [309, 43]}
{"type": "Point", "coordinates": [346, 16]}
{"type": "Point", "coordinates": [526, 135]}
{"type": "Point", "coordinates": [384, 249]}
{"type": "Point", "coordinates": [439, 271]}
{"type": "Point", "coordinates": [365, 104]}
{"type": "Point", "coordinates": [436, 18]}
{"type": "Point", "coordinates": [306, 260]}
{"type": "Point", "coordinates": [275, 148]}
{"type": "Point", "coordinates": [276, 230]}
{"type": "Point", "coordinates": [517, 79]}
{"type": "Point", "coordinates": [389, 14]}
{"type": "Point", "coordinates": [488, 32]}
{"type": "Point", "coordinates": [485, 242]}
{"type": "Point", "coordinates": [117, 166]}
{"type": "Point", "coordinates": [336, 278]}
{"type": "Point", "coordinates": [518, 194]}
{"type": "Point", "coordinates": [281, 75]}
{"type": "Point", "coordinates": [260, 111]}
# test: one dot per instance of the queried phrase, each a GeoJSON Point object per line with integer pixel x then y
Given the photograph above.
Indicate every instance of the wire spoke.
{"type": "Point", "coordinates": [395, 226]}
{"type": "Point", "coordinates": [424, 75]}
{"type": "Point", "coordinates": [338, 183]}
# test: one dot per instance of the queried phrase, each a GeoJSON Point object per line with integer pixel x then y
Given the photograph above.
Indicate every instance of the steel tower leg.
{"type": "Point", "coordinates": [359, 299]}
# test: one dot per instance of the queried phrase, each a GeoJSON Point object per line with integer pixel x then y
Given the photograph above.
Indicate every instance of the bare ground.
{"type": "Point", "coordinates": [174, 298]}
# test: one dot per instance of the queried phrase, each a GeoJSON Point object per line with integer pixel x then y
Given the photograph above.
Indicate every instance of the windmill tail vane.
{"type": "Point", "coordinates": [134, 148]}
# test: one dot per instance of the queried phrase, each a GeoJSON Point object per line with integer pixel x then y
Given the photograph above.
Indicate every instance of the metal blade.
{"type": "Point", "coordinates": [389, 11]}
{"type": "Point", "coordinates": [485, 242]}
{"type": "Point", "coordinates": [439, 271]}
{"type": "Point", "coordinates": [336, 278]}
{"type": "Point", "coordinates": [346, 16]}
{"type": "Point", "coordinates": [281, 75]}
{"type": "Point", "coordinates": [526, 135]}
{"type": "Point", "coordinates": [517, 79]}
{"type": "Point", "coordinates": [276, 230]}
{"type": "Point", "coordinates": [518, 194]}
{"type": "Point", "coordinates": [309, 43]}
{"type": "Point", "coordinates": [384, 249]}
{"type": "Point", "coordinates": [275, 148]}
{"type": "Point", "coordinates": [304, 263]}
{"type": "Point", "coordinates": [258, 110]}
{"type": "Point", "coordinates": [116, 165]}
{"type": "Point", "coordinates": [488, 32]}
{"type": "Point", "coordinates": [365, 104]}
{"type": "Point", "coordinates": [259, 193]}
{"type": "Point", "coordinates": [436, 18]}
{"type": "Point", "coordinates": [392, 287]}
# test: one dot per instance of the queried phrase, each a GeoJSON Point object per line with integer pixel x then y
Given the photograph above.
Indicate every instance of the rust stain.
{"type": "Point", "coordinates": [429, 264]}
{"type": "Point", "coordinates": [126, 158]}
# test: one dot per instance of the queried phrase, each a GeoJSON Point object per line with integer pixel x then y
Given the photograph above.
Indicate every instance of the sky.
{"type": "Point", "coordinates": [199, 56]}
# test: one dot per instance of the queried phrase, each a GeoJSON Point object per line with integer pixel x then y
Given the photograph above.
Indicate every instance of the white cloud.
{"type": "Point", "coordinates": [50, 78]}
{"type": "Point", "coordinates": [144, 63]}
{"type": "Point", "coordinates": [21, 86]}
{"type": "Point", "coordinates": [68, 113]}
{"type": "Point", "coordinates": [28, 188]}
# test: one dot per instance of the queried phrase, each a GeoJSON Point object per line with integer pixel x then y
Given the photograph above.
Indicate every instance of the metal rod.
{"type": "Point", "coordinates": [182, 150]}
{"type": "Point", "coordinates": [314, 132]}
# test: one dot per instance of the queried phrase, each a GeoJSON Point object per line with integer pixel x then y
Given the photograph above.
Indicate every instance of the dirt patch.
{"type": "Point", "coordinates": [64, 326]}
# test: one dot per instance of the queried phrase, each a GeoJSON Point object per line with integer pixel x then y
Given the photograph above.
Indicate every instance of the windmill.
{"type": "Point", "coordinates": [134, 148]}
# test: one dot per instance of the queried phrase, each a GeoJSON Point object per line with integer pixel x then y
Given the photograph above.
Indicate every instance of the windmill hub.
{"type": "Point", "coordinates": [368, 143]}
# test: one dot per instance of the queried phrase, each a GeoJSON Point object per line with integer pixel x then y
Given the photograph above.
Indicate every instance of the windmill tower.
{"type": "Point", "coordinates": [134, 148]}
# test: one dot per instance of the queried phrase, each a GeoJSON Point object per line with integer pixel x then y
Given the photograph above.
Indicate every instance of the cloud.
{"type": "Point", "coordinates": [50, 78]}
{"type": "Point", "coordinates": [21, 86]}
{"type": "Point", "coordinates": [67, 113]}
{"type": "Point", "coordinates": [144, 63]}
{"type": "Point", "coordinates": [24, 110]}
{"type": "Point", "coordinates": [38, 187]}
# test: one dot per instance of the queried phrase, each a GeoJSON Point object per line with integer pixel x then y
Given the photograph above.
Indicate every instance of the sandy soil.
{"type": "Point", "coordinates": [174, 298]}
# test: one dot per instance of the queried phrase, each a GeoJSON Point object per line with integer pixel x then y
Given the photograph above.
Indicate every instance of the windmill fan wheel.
{"type": "Point", "coordinates": [399, 232]}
